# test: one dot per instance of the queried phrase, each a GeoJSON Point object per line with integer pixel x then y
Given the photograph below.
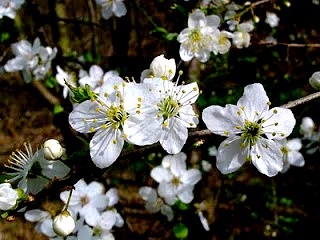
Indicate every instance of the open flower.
{"type": "Point", "coordinates": [112, 7]}
{"type": "Point", "coordinates": [33, 171]}
{"type": "Point", "coordinates": [241, 37]}
{"type": "Point", "coordinates": [8, 8]}
{"type": "Point", "coordinates": [199, 37]}
{"type": "Point", "coordinates": [116, 115]}
{"type": "Point", "coordinates": [174, 112]}
{"type": "Point", "coordinates": [176, 182]}
{"type": "Point", "coordinates": [251, 128]}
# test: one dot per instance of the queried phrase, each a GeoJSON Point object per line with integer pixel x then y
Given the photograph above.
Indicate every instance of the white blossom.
{"type": "Point", "coordinates": [95, 77]}
{"type": "Point", "coordinates": [272, 19]}
{"type": "Point", "coordinates": [8, 196]}
{"type": "Point", "coordinates": [64, 79]}
{"type": "Point", "coordinates": [199, 37]}
{"type": "Point", "coordinates": [241, 37]}
{"type": "Point", "coordinates": [115, 116]}
{"type": "Point", "coordinates": [53, 149]}
{"type": "Point", "coordinates": [8, 8]}
{"type": "Point", "coordinates": [63, 224]}
{"type": "Point", "coordinates": [176, 182]}
{"type": "Point", "coordinates": [154, 203]}
{"type": "Point", "coordinates": [112, 7]}
{"type": "Point", "coordinates": [314, 80]}
{"type": "Point", "coordinates": [251, 128]}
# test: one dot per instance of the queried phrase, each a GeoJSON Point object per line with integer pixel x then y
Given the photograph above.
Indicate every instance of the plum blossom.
{"type": "Point", "coordinates": [64, 79]}
{"type": "Point", "coordinates": [199, 37]}
{"type": "Point", "coordinates": [63, 224]}
{"type": "Point", "coordinates": [114, 116]}
{"type": "Point", "coordinates": [154, 203]}
{"type": "Point", "coordinates": [95, 77]}
{"type": "Point", "coordinates": [112, 7]}
{"type": "Point", "coordinates": [176, 182]}
{"type": "Point", "coordinates": [34, 171]}
{"type": "Point", "coordinates": [8, 196]}
{"type": "Point", "coordinates": [174, 113]}
{"type": "Point", "coordinates": [241, 37]}
{"type": "Point", "coordinates": [314, 80]}
{"type": "Point", "coordinates": [8, 8]}
{"type": "Point", "coordinates": [251, 129]}
{"type": "Point", "coordinates": [291, 155]}
{"type": "Point", "coordinates": [43, 220]}
{"type": "Point", "coordinates": [272, 19]}
{"type": "Point", "coordinates": [86, 199]}
{"type": "Point", "coordinates": [160, 67]}
{"type": "Point", "coordinates": [33, 60]}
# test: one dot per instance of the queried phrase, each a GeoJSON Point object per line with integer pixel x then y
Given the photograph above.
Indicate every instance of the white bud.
{"type": "Point", "coordinates": [8, 196]}
{"type": "Point", "coordinates": [53, 149]}
{"type": "Point", "coordinates": [163, 67]}
{"type": "Point", "coordinates": [63, 224]}
{"type": "Point", "coordinates": [315, 80]}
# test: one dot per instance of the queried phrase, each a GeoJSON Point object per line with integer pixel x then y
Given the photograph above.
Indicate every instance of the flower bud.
{"type": "Point", "coordinates": [315, 80]}
{"type": "Point", "coordinates": [52, 149]}
{"type": "Point", "coordinates": [163, 67]}
{"type": "Point", "coordinates": [63, 224]}
{"type": "Point", "coordinates": [8, 196]}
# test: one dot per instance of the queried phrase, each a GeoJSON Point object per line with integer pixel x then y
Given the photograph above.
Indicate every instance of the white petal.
{"type": "Point", "coordinates": [296, 158]}
{"type": "Point", "coordinates": [186, 196]}
{"type": "Point", "coordinates": [197, 19]}
{"type": "Point", "coordinates": [230, 155]}
{"type": "Point", "coordinates": [105, 147]}
{"type": "Point", "coordinates": [267, 157]}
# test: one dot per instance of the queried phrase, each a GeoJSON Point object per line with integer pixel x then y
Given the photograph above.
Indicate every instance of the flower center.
{"type": "Point", "coordinates": [168, 108]}
{"type": "Point", "coordinates": [251, 133]}
{"type": "Point", "coordinates": [195, 35]}
{"type": "Point", "coordinates": [116, 116]}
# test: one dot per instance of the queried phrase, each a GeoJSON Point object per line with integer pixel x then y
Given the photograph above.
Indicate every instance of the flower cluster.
{"type": "Point", "coordinates": [33, 60]}
{"type": "Point", "coordinates": [155, 110]}
{"type": "Point", "coordinates": [203, 36]}
{"type": "Point", "coordinates": [176, 182]}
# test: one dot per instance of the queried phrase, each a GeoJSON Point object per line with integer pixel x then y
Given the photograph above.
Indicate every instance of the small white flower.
{"type": "Point", "coordinates": [154, 204]}
{"type": "Point", "coordinates": [241, 37]}
{"type": "Point", "coordinates": [307, 127]}
{"type": "Point", "coordinates": [198, 39]}
{"type": "Point", "coordinates": [176, 182]}
{"type": "Point", "coordinates": [63, 224]}
{"type": "Point", "coordinates": [33, 170]}
{"type": "Point", "coordinates": [86, 199]}
{"type": "Point", "coordinates": [8, 8]}
{"type": "Point", "coordinates": [53, 149]}
{"type": "Point", "coordinates": [291, 155]}
{"type": "Point", "coordinates": [8, 196]}
{"type": "Point", "coordinates": [272, 19]}
{"type": "Point", "coordinates": [160, 67]}
{"type": "Point", "coordinates": [206, 166]}
{"type": "Point", "coordinates": [251, 128]}
{"type": "Point", "coordinates": [43, 221]}
{"type": "Point", "coordinates": [112, 7]}
{"type": "Point", "coordinates": [95, 77]}
{"type": "Point", "coordinates": [314, 80]}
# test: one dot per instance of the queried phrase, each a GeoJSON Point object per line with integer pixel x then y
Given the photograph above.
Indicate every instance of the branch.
{"type": "Point", "coordinates": [302, 100]}
{"type": "Point", "coordinates": [45, 93]}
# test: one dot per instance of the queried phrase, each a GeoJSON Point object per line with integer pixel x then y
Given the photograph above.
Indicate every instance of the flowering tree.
{"type": "Point", "coordinates": [166, 116]}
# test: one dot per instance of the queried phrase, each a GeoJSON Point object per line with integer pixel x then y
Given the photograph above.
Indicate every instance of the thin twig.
{"type": "Point", "coordinates": [46, 93]}
{"type": "Point", "coordinates": [302, 100]}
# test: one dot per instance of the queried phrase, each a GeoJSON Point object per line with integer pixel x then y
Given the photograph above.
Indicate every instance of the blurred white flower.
{"type": "Point", "coordinates": [291, 155]}
{"type": "Point", "coordinates": [176, 182]}
{"type": "Point", "coordinates": [272, 19]}
{"type": "Point", "coordinates": [43, 221]}
{"type": "Point", "coordinates": [64, 79]}
{"type": "Point", "coordinates": [241, 37]}
{"type": "Point", "coordinates": [154, 203]}
{"type": "Point", "coordinates": [8, 8]}
{"type": "Point", "coordinates": [112, 7]}
{"type": "Point", "coordinates": [8, 196]}
{"type": "Point", "coordinates": [314, 80]}
{"type": "Point", "coordinates": [95, 77]}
